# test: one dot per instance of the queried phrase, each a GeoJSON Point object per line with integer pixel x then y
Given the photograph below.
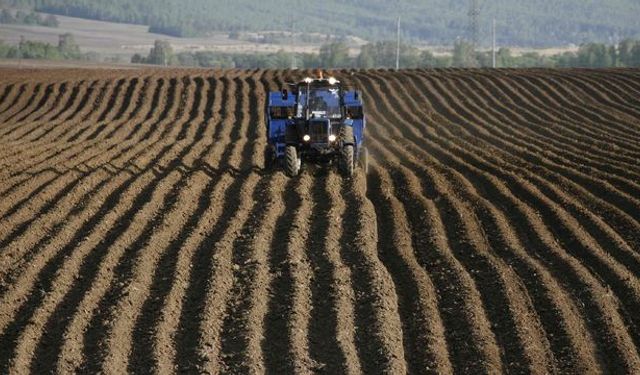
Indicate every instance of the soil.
{"type": "Point", "coordinates": [498, 229]}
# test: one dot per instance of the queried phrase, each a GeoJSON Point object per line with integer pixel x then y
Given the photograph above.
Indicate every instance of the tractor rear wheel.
{"type": "Point", "coordinates": [291, 161]}
{"type": "Point", "coordinates": [364, 160]}
{"type": "Point", "coordinates": [347, 161]}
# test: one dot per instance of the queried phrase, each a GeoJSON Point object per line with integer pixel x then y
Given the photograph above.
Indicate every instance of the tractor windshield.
{"type": "Point", "coordinates": [323, 102]}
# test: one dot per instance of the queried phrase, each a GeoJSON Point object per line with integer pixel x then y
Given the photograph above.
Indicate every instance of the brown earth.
{"type": "Point", "coordinates": [498, 229]}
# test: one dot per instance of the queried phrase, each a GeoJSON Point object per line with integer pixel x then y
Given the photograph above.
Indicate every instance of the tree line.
{"type": "Point", "coordinates": [66, 49]}
{"type": "Point", "coordinates": [383, 55]}
{"type": "Point", "coordinates": [21, 17]}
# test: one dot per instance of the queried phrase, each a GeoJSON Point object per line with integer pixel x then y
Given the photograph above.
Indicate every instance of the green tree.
{"type": "Point", "coordinates": [67, 46]}
{"type": "Point", "coordinates": [161, 53]}
{"type": "Point", "coordinates": [7, 17]}
{"type": "Point", "coordinates": [334, 55]}
{"type": "Point", "coordinates": [624, 52]}
{"type": "Point", "coordinates": [464, 55]}
{"type": "Point", "coordinates": [50, 21]}
{"type": "Point", "coordinates": [613, 55]}
{"type": "Point", "coordinates": [428, 60]}
{"type": "Point", "coordinates": [634, 60]}
{"type": "Point", "coordinates": [366, 59]}
{"type": "Point", "coordinates": [138, 59]}
{"type": "Point", "coordinates": [504, 58]}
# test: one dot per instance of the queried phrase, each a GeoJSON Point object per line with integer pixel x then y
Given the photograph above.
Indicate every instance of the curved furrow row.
{"type": "Point", "coordinates": [25, 103]}
{"type": "Point", "coordinates": [128, 106]}
{"type": "Point", "coordinates": [11, 100]}
{"type": "Point", "coordinates": [590, 108]}
{"type": "Point", "coordinates": [622, 81]}
{"type": "Point", "coordinates": [488, 265]}
{"type": "Point", "coordinates": [92, 157]}
{"type": "Point", "coordinates": [37, 132]}
{"type": "Point", "coordinates": [613, 315]}
{"type": "Point", "coordinates": [145, 107]}
{"type": "Point", "coordinates": [551, 130]}
{"type": "Point", "coordinates": [376, 300]}
{"type": "Point", "coordinates": [97, 343]}
{"type": "Point", "coordinates": [33, 204]}
{"type": "Point", "coordinates": [153, 334]}
{"type": "Point", "coordinates": [603, 87]}
{"type": "Point", "coordinates": [603, 207]}
{"type": "Point", "coordinates": [425, 340]}
{"type": "Point", "coordinates": [549, 301]}
{"type": "Point", "coordinates": [64, 96]}
{"type": "Point", "coordinates": [81, 220]}
{"type": "Point", "coordinates": [120, 246]}
{"type": "Point", "coordinates": [94, 221]}
{"type": "Point", "coordinates": [285, 346]}
{"type": "Point", "coordinates": [518, 129]}
{"type": "Point", "coordinates": [483, 117]}
{"type": "Point", "coordinates": [448, 105]}
{"type": "Point", "coordinates": [588, 240]}
{"type": "Point", "coordinates": [555, 94]}
{"type": "Point", "coordinates": [616, 105]}
{"type": "Point", "coordinates": [109, 100]}
{"type": "Point", "coordinates": [72, 151]}
{"type": "Point", "coordinates": [51, 91]}
{"type": "Point", "coordinates": [575, 152]}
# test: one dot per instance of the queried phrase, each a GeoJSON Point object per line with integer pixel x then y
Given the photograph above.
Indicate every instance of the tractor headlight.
{"type": "Point", "coordinates": [306, 138]}
{"type": "Point", "coordinates": [332, 138]}
{"type": "Point", "coordinates": [308, 80]}
{"type": "Point", "coordinates": [332, 81]}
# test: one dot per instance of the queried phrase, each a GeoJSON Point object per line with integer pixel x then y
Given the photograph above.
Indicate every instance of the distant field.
{"type": "Point", "coordinates": [124, 40]}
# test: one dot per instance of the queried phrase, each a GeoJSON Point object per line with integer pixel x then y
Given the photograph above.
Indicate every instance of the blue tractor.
{"type": "Point", "coordinates": [316, 120]}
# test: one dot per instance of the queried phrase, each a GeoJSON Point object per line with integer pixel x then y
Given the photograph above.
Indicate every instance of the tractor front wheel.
{"type": "Point", "coordinates": [347, 161]}
{"type": "Point", "coordinates": [291, 161]}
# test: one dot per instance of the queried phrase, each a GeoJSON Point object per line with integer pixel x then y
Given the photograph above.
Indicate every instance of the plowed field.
{"type": "Point", "coordinates": [497, 231]}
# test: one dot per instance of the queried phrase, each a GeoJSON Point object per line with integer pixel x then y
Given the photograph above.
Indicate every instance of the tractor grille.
{"type": "Point", "coordinates": [318, 132]}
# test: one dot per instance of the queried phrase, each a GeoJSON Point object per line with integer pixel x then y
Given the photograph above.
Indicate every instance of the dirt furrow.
{"type": "Point", "coordinates": [614, 99]}
{"type": "Point", "coordinates": [24, 102]}
{"type": "Point", "coordinates": [426, 348]}
{"type": "Point", "coordinates": [574, 146]}
{"type": "Point", "coordinates": [37, 132]}
{"type": "Point", "coordinates": [581, 195]}
{"type": "Point", "coordinates": [285, 346]}
{"type": "Point", "coordinates": [498, 229]}
{"type": "Point", "coordinates": [51, 91]}
{"type": "Point", "coordinates": [563, 349]}
{"type": "Point", "coordinates": [621, 183]}
{"type": "Point", "coordinates": [610, 314]}
{"type": "Point", "coordinates": [146, 103]}
{"type": "Point", "coordinates": [94, 221]}
{"type": "Point", "coordinates": [11, 100]}
{"type": "Point", "coordinates": [602, 189]}
{"type": "Point", "coordinates": [554, 94]}
{"type": "Point", "coordinates": [483, 263]}
{"type": "Point", "coordinates": [135, 93]}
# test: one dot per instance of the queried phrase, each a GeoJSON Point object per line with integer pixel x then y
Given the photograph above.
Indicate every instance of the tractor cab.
{"type": "Point", "coordinates": [316, 120]}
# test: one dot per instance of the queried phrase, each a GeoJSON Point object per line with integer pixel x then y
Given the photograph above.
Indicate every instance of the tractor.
{"type": "Point", "coordinates": [316, 120]}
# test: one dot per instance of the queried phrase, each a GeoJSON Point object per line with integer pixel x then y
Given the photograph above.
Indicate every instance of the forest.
{"type": "Point", "coordinates": [519, 22]}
